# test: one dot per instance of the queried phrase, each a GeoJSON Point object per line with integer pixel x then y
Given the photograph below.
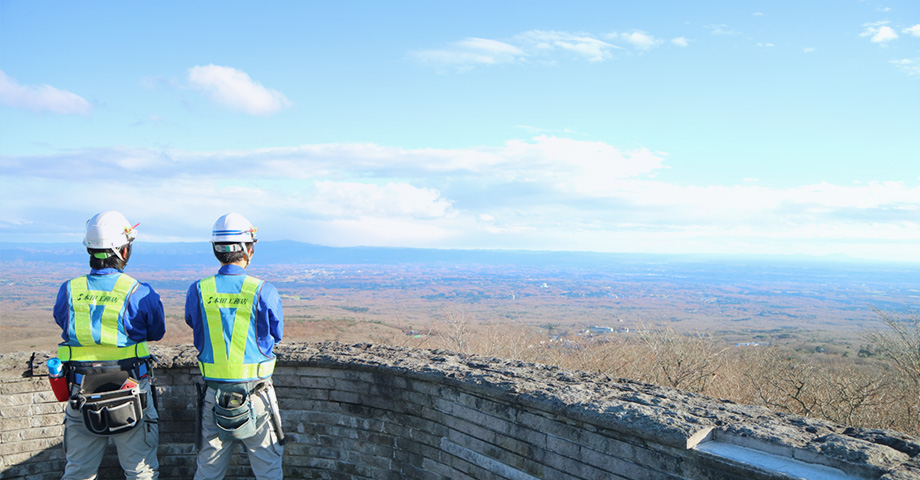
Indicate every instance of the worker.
{"type": "Point", "coordinates": [237, 320]}
{"type": "Point", "coordinates": [106, 319]}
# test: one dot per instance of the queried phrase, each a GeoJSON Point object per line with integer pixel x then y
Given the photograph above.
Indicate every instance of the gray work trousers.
{"type": "Point", "coordinates": [263, 448]}
{"type": "Point", "coordinates": [137, 448]}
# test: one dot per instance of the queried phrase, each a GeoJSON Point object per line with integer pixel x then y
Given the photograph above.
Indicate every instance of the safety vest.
{"type": "Point", "coordinates": [96, 330]}
{"type": "Point", "coordinates": [231, 350]}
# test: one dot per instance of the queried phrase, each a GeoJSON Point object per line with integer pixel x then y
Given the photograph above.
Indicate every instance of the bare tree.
{"type": "Point", "coordinates": [845, 392]}
{"type": "Point", "coordinates": [457, 333]}
{"type": "Point", "coordinates": [899, 344]}
{"type": "Point", "coordinates": [850, 395]}
{"type": "Point", "coordinates": [688, 362]}
{"type": "Point", "coordinates": [782, 382]}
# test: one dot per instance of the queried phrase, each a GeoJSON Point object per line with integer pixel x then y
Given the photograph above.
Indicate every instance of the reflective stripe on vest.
{"type": "Point", "coordinates": [102, 352]}
{"type": "Point", "coordinates": [245, 371]}
{"type": "Point", "coordinates": [229, 365]}
{"type": "Point", "coordinates": [113, 303]}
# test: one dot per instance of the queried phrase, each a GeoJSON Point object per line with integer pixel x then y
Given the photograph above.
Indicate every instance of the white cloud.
{"type": "Point", "coordinates": [879, 32]}
{"type": "Point", "coordinates": [235, 90]}
{"type": "Point", "coordinates": [641, 40]}
{"type": "Point", "coordinates": [766, 45]}
{"type": "Point", "coordinates": [355, 199]}
{"type": "Point", "coordinates": [40, 98]}
{"type": "Point", "coordinates": [492, 47]}
{"type": "Point", "coordinates": [808, 50]}
{"type": "Point", "coordinates": [546, 192]}
{"type": "Point", "coordinates": [472, 51]}
{"type": "Point", "coordinates": [575, 167]}
{"type": "Point", "coordinates": [384, 232]}
{"type": "Point", "coordinates": [538, 45]}
{"type": "Point", "coordinates": [884, 34]}
{"type": "Point", "coordinates": [721, 29]}
{"type": "Point", "coordinates": [910, 66]}
{"type": "Point", "coordinates": [587, 46]}
{"type": "Point", "coordinates": [914, 30]}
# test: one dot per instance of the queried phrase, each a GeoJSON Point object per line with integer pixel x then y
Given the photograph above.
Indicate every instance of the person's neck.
{"type": "Point", "coordinates": [242, 264]}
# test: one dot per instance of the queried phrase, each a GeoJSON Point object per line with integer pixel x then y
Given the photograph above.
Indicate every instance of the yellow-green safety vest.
{"type": "Point", "coordinates": [231, 365]}
{"type": "Point", "coordinates": [113, 303]}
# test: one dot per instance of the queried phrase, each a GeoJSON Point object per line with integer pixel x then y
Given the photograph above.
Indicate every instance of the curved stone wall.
{"type": "Point", "coordinates": [382, 412]}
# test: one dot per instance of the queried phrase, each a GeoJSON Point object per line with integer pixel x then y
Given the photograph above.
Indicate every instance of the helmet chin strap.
{"type": "Point", "coordinates": [246, 254]}
{"type": "Point", "coordinates": [117, 250]}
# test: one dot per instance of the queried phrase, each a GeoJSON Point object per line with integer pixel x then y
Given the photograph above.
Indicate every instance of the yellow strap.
{"type": "Point", "coordinates": [99, 353]}
{"type": "Point", "coordinates": [244, 371]}
{"type": "Point", "coordinates": [82, 325]}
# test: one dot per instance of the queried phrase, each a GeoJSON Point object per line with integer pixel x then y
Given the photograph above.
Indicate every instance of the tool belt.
{"type": "Point", "coordinates": [233, 412]}
{"type": "Point", "coordinates": [106, 396]}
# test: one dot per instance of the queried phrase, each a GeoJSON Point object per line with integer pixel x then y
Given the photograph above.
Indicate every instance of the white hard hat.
{"type": "Point", "coordinates": [108, 230]}
{"type": "Point", "coordinates": [233, 227]}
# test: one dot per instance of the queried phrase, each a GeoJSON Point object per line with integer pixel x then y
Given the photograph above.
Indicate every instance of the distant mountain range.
{"type": "Point", "coordinates": [156, 255]}
{"type": "Point", "coordinates": [164, 255]}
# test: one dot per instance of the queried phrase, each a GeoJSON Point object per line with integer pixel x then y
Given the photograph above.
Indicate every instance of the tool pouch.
{"type": "Point", "coordinates": [108, 413]}
{"type": "Point", "coordinates": [233, 411]}
{"type": "Point", "coordinates": [106, 409]}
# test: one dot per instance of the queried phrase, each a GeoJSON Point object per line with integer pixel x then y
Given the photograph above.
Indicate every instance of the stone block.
{"type": "Point", "coordinates": [852, 455]}
{"type": "Point", "coordinates": [16, 399]}
{"type": "Point", "coordinates": [55, 431]}
{"type": "Point", "coordinates": [14, 424]}
{"type": "Point", "coordinates": [47, 420]}
{"type": "Point", "coordinates": [10, 386]}
{"type": "Point", "coordinates": [44, 396]}
{"type": "Point", "coordinates": [51, 408]}
{"type": "Point", "coordinates": [16, 411]}
{"type": "Point", "coordinates": [345, 397]}
{"type": "Point", "coordinates": [528, 436]}
{"type": "Point", "coordinates": [459, 425]}
{"type": "Point", "coordinates": [28, 446]}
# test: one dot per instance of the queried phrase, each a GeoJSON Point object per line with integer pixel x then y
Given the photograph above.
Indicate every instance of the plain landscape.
{"type": "Point", "coordinates": [798, 334]}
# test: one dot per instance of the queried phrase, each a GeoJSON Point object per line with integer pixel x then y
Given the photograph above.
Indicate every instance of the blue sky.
{"type": "Point", "coordinates": [665, 127]}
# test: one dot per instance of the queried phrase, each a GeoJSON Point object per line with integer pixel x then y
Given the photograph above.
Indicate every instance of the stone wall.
{"type": "Point", "coordinates": [381, 412]}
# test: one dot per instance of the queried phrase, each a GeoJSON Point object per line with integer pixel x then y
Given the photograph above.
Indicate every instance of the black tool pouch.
{"type": "Point", "coordinates": [233, 411]}
{"type": "Point", "coordinates": [106, 408]}
{"type": "Point", "coordinates": [108, 413]}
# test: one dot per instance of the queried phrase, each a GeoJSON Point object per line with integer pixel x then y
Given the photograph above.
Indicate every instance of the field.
{"type": "Point", "coordinates": [793, 337]}
{"type": "Point", "coordinates": [807, 308]}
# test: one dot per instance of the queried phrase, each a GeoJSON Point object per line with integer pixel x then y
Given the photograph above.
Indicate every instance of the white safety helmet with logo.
{"type": "Point", "coordinates": [231, 233]}
{"type": "Point", "coordinates": [108, 230]}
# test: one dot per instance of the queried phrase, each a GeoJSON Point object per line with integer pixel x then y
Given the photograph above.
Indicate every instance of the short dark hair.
{"type": "Point", "coordinates": [110, 261]}
{"type": "Point", "coordinates": [231, 257]}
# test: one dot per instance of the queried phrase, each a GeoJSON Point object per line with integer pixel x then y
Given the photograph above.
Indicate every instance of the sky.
{"type": "Point", "coordinates": [713, 127]}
